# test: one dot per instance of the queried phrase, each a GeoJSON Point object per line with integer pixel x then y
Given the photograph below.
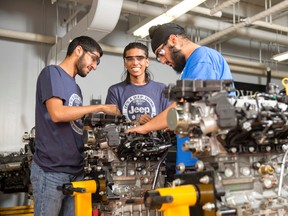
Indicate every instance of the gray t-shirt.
{"type": "Point", "coordinates": [134, 101]}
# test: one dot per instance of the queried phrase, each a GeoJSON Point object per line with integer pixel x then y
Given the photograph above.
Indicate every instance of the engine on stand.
{"type": "Point", "coordinates": [130, 164]}
{"type": "Point", "coordinates": [121, 166]}
{"type": "Point", "coordinates": [15, 167]}
{"type": "Point", "coordinates": [241, 145]}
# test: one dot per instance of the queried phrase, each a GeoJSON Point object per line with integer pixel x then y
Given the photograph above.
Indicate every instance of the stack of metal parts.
{"type": "Point", "coordinates": [131, 164]}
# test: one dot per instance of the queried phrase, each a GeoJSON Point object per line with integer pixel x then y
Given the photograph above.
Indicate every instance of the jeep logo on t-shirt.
{"type": "Point", "coordinates": [142, 110]}
{"type": "Point", "coordinates": [138, 105]}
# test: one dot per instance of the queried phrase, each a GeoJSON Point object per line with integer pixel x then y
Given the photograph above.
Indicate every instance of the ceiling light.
{"type": "Point", "coordinates": [280, 57]}
{"type": "Point", "coordinates": [170, 15]}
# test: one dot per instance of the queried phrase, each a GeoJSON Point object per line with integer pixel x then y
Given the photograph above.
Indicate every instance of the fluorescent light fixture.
{"type": "Point", "coordinates": [280, 57]}
{"type": "Point", "coordinates": [170, 15]}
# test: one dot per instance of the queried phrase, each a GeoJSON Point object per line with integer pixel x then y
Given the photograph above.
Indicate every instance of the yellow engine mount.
{"type": "Point", "coordinates": [172, 201]}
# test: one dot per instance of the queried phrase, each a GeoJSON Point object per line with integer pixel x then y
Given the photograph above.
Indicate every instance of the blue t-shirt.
{"type": "Point", "coordinates": [59, 146]}
{"type": "Point", "coordinates": [203, 64]}
{"type": "Point", "coordinates": [206, 64]}
{"type": "Point", "coordinates": [134, 101]}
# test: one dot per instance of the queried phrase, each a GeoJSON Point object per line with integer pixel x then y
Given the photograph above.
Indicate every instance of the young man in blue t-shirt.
{"type": "Point", "coordinates": [59, 147]}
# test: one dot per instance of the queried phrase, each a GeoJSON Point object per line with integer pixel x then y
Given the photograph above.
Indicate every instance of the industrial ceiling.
{"type": "Point", "coordinates": [231, 26]}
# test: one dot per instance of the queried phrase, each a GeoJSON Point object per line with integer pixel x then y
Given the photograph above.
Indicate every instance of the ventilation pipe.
{"type": "Point", "coordinates": [220, 7]}
{"type": "Point", "coordinates": [96, 24]}
{"type": "Point", "coordinates": [247, 21]}
{"type": "Point", "coordinates": [27, 36]}
{"type": "Point", "coordinates": [270, 26]}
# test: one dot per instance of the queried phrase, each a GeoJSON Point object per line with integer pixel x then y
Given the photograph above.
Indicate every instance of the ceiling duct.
{"type": "Point", "coordinates": [96, 24]}
{"type": "Point", "coordinates": [246, 22]}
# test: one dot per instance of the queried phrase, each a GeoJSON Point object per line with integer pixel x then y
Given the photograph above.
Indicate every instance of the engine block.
{"type": "Point", "coordinates": [242, 141]}
{"type": "Point", "coordinates": [131, 163]}
{"type": "Point", "coordinates": [15, 167]}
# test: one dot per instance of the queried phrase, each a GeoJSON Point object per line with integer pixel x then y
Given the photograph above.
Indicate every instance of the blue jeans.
{"type": "Point", "coordinates": [48, 201]}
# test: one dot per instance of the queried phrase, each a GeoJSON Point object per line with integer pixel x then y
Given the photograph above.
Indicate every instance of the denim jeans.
{"type": "Point", "coordinates": [48, 201]}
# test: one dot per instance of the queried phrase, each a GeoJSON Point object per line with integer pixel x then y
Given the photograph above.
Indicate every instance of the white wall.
{"type": "Point", "coordinates": [20, 65]}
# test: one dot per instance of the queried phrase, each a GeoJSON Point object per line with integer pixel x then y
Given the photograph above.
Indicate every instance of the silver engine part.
{"type": "Point", "coordinates": [244, 141]}
{"type": "Point", "coordinates": [130, 163]}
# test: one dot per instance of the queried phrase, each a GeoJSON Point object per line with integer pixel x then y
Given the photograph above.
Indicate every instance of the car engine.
{"type": "Point", "coordinates": [15, 167]}
{"type": "Point", "coordinates": [241, 146]}
{"type": "Point", "coordinates": [131, 164]}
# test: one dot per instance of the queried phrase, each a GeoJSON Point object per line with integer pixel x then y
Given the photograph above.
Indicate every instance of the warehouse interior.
{"type": "Point", "coordinates": [36, 33]}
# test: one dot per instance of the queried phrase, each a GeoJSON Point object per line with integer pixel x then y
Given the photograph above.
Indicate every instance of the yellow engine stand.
{"type": "Point", "coordinates": [82, 191]}
{"type": "Point", "coordinates": [172, 201]}
{"type": "Point", "coordinates": [83, 200]}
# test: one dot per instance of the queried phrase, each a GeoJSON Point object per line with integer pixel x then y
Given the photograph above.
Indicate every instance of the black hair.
{"type": "Point", "coordinates": [87, 44]}
{"type": "Point", "coordinates": [136, 45]}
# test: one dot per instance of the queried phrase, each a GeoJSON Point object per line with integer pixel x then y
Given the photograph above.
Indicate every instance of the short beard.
{"type": "Point", "coordinates": [179, 59]}
{"type": "Point", "coordinates": [80, 67]}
